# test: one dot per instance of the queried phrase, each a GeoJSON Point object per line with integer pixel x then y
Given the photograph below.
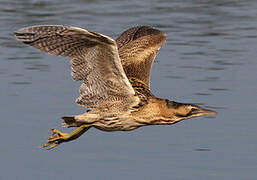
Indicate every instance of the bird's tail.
{"type": "Point", "coordinates": [69, 121]}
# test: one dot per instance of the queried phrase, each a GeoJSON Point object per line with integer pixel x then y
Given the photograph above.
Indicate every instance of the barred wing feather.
{"type": "Point", "coordinates": [94, 60]}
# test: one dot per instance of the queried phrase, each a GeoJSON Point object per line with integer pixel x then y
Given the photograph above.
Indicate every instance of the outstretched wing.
{"type": "Point", "coordinates": [94, 60]}
{"type": "Point", "coordinates": [138, 47]}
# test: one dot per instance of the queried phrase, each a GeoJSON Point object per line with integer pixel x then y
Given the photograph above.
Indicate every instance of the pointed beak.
{"type": "Point", "coordinates": [202, 112]}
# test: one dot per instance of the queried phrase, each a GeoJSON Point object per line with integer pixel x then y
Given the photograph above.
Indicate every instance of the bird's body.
{"type": "Point", "coordinates": [115, 75]}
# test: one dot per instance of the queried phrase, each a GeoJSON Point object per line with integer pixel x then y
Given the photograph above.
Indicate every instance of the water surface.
{"type": "Point", "coordinates": [209, 59]}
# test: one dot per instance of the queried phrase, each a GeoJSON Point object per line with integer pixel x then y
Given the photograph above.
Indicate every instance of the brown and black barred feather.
{"type": "Point", "coordinates": [138, 47]}
{"type": "Point", "coordinates": [94, 60]}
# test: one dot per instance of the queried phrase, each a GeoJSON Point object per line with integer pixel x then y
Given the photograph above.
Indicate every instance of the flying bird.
{"type": "Point", "coordinates": [115, 77]}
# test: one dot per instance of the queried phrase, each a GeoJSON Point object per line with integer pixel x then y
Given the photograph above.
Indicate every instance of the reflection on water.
{"type": "Point", "coordinates": [209, 59]}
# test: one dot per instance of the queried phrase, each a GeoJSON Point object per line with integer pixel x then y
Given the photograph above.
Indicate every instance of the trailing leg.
{"type": "Point", "coordinates": [59, 137]}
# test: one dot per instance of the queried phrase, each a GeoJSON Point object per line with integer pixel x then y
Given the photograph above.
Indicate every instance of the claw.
{"type": "Point", "coordinates": [53, 138]}
{"type": "Point", "coordinates": [53, 146]}
{"type": "Point", "coordinates": [44, 145]}
{"type": "Point", "coordinates": [57, 138]}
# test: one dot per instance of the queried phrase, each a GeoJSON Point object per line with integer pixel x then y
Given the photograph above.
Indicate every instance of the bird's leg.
{"type": "Point", "coordinates": [59, 137]}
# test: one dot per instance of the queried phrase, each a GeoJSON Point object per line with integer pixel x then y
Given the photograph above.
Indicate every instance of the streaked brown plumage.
{"type": "Point", "coordinates": [115, 75]}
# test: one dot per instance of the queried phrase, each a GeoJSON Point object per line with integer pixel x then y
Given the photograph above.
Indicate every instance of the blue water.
{"type": "Point", "coordinates": [209, 59]}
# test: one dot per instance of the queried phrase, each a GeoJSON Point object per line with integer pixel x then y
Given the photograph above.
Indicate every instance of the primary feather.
{"type": "Point", "coordinates": [94, 60]}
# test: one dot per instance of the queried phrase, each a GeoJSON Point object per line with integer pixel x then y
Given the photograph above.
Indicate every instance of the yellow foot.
{"type": "Point", "coordinates": [57, 138]}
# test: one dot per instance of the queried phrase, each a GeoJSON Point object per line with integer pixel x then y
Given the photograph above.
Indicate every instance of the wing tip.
{"type": "Point", "coordinates": [24, 34]}
{"type": "Point", "coordinates": [24, 30]}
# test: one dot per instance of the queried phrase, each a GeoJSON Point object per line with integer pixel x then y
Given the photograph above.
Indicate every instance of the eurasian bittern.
{"type": "Point", "coordinates": [115, 75]}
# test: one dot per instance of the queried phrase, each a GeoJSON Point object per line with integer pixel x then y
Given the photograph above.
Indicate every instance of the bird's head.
{"type": "Point", "coordinates": [181, 111]}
